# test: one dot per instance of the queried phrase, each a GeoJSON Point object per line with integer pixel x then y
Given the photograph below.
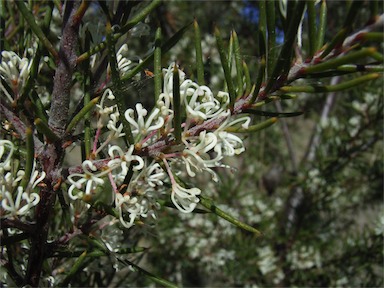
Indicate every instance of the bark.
{"type": "Point", "coordinates": [51, 157]}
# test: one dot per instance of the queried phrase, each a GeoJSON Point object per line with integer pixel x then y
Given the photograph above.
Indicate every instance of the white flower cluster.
{"type": "Point", "coordinates": [15, 71]}
{"type": "Point", "coordinates": [124, 64]}
{"type": "Point", "coordinates": [304, 257]}
{"type": "Point", "coordinates": [16, 200]}
{"type": "Point", "coordinates": [154, 156]}
{"type": "Point", "coordinates": [268, 264]}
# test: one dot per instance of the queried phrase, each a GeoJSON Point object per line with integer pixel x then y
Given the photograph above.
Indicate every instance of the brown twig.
{"type": "Point", "coordinates": [51, 157]}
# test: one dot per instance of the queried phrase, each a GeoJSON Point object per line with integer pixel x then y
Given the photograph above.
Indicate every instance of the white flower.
{"type": "Point", "coordinates": [18, 206]}
{"type": "Point", "coordinates": [304, 257]}
{"type": "Point", "coordinates": [267, 260]}
{"type": "Point", "coordinates": [114, 126]}
{"type": "Point", "coordinates": [196, 156]}
{"type": "Point", "coordinates": [5, 165]}
{"type": "Point", "coordinates": [136, 202]}
{"type": "Point", "coordinates": [199, 102]}
{"type": "Point", "coordinates": [121, 160]}
{"type": "Point", "coordinates": [229, 144]}
{"type": "Point", "coordinates": [90, 179]}
{"type": "Point", "coordinates": [230, 122]}
{"type": "Point", "coordinates": [124, 64]}
{"type": "Point", "coordinates": [105, 110]}
{"type": "Point", "coordinates": [120, 201]}
{"type": "Point", "coordinates": [154, 175]}
{"type": "Point", "coordinates": [14, 70]}
{"type": "Point", "coordinates": [15, 199]}
{"type": "Point", "coordinates": [185, 199]}
{"type": "Point", "coordinates": [140, 126]}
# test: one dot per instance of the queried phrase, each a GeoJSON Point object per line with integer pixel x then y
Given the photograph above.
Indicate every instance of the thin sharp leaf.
{"type": "Point", "coordinates": [273, 114]}
{"type": "Point", "coordinates": [208, 203]}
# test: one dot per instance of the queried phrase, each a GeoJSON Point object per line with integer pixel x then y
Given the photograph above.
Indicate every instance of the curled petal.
{"type": "Point", "coordinates": [185, 199]}
{"type": "Point", "coordinates": [90, 165]}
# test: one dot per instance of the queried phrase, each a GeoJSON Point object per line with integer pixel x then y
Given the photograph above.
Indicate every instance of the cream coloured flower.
{"type": "Point", "coordinates": [86, 182]}
{"type": "Point", "coordinates": [142, 127]}
{"type": "Point", "coordinates": [15, 71]}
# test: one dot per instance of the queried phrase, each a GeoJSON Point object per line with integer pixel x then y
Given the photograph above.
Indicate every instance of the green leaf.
{"type": "Point", "coordinates": [79, 264]}
{"type": "Point", "coordinates": [82, 113]}
{"type": "Point", "coordinates": [253, 128]}
{"type": "Point", "coordinates": [322, 25]}
{"type": "Point", "coordinates": [347, 28]}
{"type": "Point", "coordinates": [331, 88]}
{"type": "Point", "coordinates": [157, 64]}
{"type": "Point", "coordinates": [199, 53]}
{"type": "Point", "coordinates": [208, 203]}
{"type": "Point", "coordinates": [35, 64]}
{"type": "Point", "coordinates": [118, 85]}
{"type": "Point", "coordinates": [334, 63]}
{"type": "Point", "coordinates": [36, 29]}
{"type": "Point", "coordinates": [150, 276]}
{"type": "Point", "coordinates": [176, 104]}
{"type": "Point", "coordinates": [285, 56]}
{"type": "Point", "coordinates": [247, 78]}
{"type": "Point", "coordinates": [259, 80]}
{"type": "Point", "coordinates": [273, 114]}
{"type": "Point", "coordinates": [312, 33]}
{"type": "Point", "coordinates": [38, 106]}
{"type": "Point", "coordinates": [239, 65]}
{"type": "Point", "coordinates": [87, 144]}
{"type": "Point", "coordinates": [30, 157]}
{"type": "Point", "coordinates": [225, 65]}
{"type": "Point", "coordinates": [271, 39]}
{"type": "Point", "coordinates": [43, 128]}
{"type": "Point", "coordinates": [262, 28]}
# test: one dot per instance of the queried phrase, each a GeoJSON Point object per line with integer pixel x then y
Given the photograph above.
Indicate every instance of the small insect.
{"type": "Point", "coordinates": [148, 73]}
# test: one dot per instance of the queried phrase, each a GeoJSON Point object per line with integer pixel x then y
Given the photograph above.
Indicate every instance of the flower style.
{"type": "Point", "coordinates": [15, 71]}
{"type": "Point", "coordinates": [110, 116]}
{"type": "Point", "coordinates": [115, 127]}
{"type": "Point", "coordinates": [229, 144]}
{"type": "Point", "coordinates": [120, 202]}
